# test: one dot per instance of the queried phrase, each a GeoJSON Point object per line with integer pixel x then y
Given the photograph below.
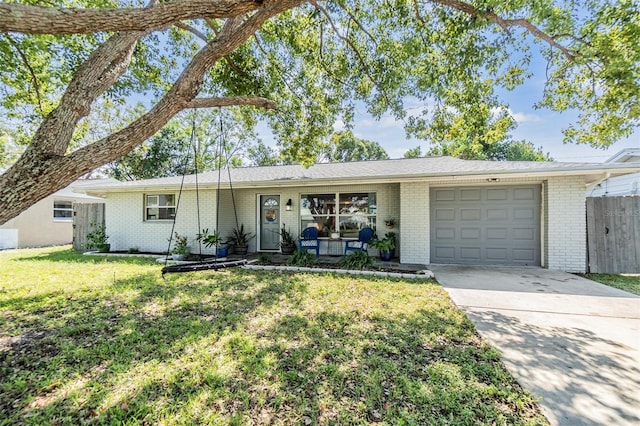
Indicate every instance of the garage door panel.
{"type": "Point", "coordinates": [496, 254]}
{"type": "Point", "coordinates": [498, 214]}
{"type": "Point", "coordinates": [474, 194]}
{"type": "Point", "coordinates": [445, 214]}
{"type": "Point", "coordinates": [486, 225]}
{"type": "Point", "coordinates": [470, 233]}
{"type": "Point", "coordinates": [445, 195]}
{"type": "Point", "coordinates": [526, 234]}
{"type": "Point", "coordinates": [524, 194]}
{"type": "Point", "coordinates": [497, 233]}
{"type": "Point", "coordinates": [524, 213]}
{"type": "Point", "coordinates": [446, 253]}
{"type": "Point", "coordinates": [471, 253]}
{"type": "Point", "coordinates": [524, 255]}
{"type": "Point", "coordinates": [497, 194]}
{"type": "Point", "coordinates": [470, 214]}
{"type": "Point", "coordinates": [446, 233]}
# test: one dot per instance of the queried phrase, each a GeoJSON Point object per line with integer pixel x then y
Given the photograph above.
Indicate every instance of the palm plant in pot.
{"type": "Point", "coordinates": [214, 239]}
{"type": "Point", "coordinates": [386, 246]}
{"type": "Point", "coordinates": [287, 242]}
{"type": "Point", "coordinates": [239, 239]}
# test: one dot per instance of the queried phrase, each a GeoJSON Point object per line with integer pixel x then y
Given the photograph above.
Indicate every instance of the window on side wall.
{"type": "Point", "coordinates": [346, 213]}
{"type": "Point", "coordinates": [62, 211]}
{"type": "Point", "coordinates": [159, 206]}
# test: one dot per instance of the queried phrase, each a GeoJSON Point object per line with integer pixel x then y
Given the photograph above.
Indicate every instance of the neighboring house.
{"type": "Point", "coordinates": [620, 185]}
{"type": "Point", "coordinates": [447, 210]}
{"type": "Point", "coordinates": [49, 222]}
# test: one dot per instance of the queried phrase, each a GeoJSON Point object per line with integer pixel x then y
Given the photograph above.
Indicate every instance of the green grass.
{"type": "Point", "coordinates": [630, 283]}
{"type": "Point", "coordinates": [108, 341]}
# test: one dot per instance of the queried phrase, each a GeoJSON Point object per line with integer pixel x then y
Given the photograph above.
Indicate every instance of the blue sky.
{"type": "Point", "coordinates": [542, 127]}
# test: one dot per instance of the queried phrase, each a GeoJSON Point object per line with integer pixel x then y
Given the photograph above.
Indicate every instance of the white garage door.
{"type": "Point", "coordinates": [486, 225]}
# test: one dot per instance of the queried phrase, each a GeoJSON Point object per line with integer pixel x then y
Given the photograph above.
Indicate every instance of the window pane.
{"type": "Point", "coordinates": [351, 225]}
{"type": "Point", "coordinates": [152, 200]}
{"type": "Point", "coordinates": [63, 214]}
{"type": "Point", "coordinates": [318, 210]}
{"type": "Point", "coordinates": [167, 213]}
{"type": "Point", "coordinates": [358, 203]}
{"type": "Point", "coordinates": [167, 200]}
{"type": "Point", "coordinates": [62, 204]}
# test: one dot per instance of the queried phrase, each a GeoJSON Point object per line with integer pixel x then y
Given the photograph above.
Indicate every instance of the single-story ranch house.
{"type": "Point", "coordinates": [446, 210]}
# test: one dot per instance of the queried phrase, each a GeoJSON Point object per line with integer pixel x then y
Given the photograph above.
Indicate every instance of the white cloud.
{"type": "Point", "coordinates": [338, 126]}
{"type": "Point", "coordinates": [522, 117]}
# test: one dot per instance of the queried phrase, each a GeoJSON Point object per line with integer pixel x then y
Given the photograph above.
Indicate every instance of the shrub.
{"type": "Point", "coordinates": [97, 238]}
{"type": "Point", "coordinates": [356, 260]}
{"type": "Point", "coordinates": [302, 258]}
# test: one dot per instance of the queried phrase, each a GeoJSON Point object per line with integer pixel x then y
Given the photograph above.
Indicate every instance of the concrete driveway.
{"type": "Point", "coordinates": [570, 341]}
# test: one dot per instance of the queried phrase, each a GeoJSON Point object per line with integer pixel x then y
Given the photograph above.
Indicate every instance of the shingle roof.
{"type": "Point", "coordinates": [398, 169]}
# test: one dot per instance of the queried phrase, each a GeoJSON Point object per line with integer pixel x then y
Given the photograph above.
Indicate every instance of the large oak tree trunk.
{"type": "Point", "coordinates": [45, 167]}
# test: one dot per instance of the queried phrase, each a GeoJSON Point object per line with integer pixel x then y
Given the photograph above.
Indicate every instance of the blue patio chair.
{"type": "Point", "coordinates": [309, 240]}
{"type": "Point", "coordinates": [361, 244]}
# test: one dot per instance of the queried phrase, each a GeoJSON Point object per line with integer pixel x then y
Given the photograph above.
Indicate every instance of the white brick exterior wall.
{"type": "Point", "coordinates": [565, 223]}
{"type": "Point", "coordinates": [414, 216]}
{"type": "Point", "coordinates": [562, 222]}
{"type": "Point", "coordinates": [127, 228]}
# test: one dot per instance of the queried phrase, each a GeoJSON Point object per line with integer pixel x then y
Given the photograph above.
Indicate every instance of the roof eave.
{"type": "Point", "coordinates": [614, 170]}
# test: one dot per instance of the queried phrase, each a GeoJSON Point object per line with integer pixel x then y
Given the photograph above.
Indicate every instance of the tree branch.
{"type": "Point", "coordinates": [232, 101]}
{"type": "Point", "coordinates": [192, 30]}
{"type": "Point", "coordinates": [27, 19]}
{"type": "Point", "coordinates": [102, 68]}
{"type": "Point", "coordinates": [36, 85]}
{"type": "Point", "coordinates": [505, 24]}
{"type": "Point", "coordinates": [183, 93]}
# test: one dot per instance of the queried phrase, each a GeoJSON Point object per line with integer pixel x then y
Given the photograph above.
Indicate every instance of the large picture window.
{"type": "Point", "coordinates": [62, 211]}
{"type": "Point", "coordinates": [160, 206]}
{"type": "Point", "coordinates": [346, 213]}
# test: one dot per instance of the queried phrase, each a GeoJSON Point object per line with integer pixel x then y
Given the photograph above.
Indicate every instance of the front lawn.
{"type": "Point", "coordinates": [630, 283]}
{"type": "Point", "coordinates": [108, 341]}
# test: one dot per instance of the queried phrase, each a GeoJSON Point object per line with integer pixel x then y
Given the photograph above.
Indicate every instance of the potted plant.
{"type": "Point", "coordinates": [214, 240]}
{"type": "Point", "coordinates": [287, 242]}
{"type": "Point", "coordinates": [97, 238]}
{"type": "Point", "coordinates": [239, 239]}
{"type": "Point", "coordinates": [386, 246]}
{"type": "Point", "coordinates": [180, 248]}
{"type": "Point", "coordinates": [390, 222]}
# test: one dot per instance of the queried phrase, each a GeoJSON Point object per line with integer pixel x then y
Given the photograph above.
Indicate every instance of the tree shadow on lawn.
{"type": "Point", "coordinates": [70, 255]}
{"type": "Point", "coordinates": [242, 347]}
{"type": "Point", "coordinates": [62, 359]}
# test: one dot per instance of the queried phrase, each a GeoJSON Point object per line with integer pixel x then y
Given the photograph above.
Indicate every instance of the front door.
{"type": "Point", "coordinates": [269, 222]}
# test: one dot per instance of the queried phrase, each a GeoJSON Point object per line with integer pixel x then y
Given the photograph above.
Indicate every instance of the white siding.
{"type": "Point", "coordinates": [617, 186]}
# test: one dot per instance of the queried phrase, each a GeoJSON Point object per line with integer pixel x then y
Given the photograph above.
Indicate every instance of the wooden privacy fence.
{"type": "Point", "coordinates": [84, 215]}
{"type": "Point", "coordinates": [613, 234]}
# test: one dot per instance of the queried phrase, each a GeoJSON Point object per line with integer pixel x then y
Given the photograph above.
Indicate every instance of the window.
{"type": "Point", "coordinates": [62, 211]}
{"type": "Point", "coordinates": [348, 216]}
{"type": "Point", "coordinates": [160, 206]}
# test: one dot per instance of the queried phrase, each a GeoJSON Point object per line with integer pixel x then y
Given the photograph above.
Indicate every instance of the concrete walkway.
{"type": "Point", "coordinates": [570, 341]}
